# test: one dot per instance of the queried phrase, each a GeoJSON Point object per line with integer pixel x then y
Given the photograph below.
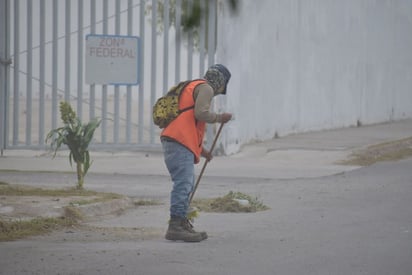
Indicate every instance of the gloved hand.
{"type": "Point", "coordinates": [207, 154]}
{"type": "Point", "coordinates": [225, 117]}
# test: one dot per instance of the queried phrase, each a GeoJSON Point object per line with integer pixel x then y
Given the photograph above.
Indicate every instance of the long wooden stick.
{"type": "Point", "coordinates": [205, 164]}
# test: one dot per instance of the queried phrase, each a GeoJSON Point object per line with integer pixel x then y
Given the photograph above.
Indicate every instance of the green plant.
{"type": "Point", "coordinates": [77, 137]}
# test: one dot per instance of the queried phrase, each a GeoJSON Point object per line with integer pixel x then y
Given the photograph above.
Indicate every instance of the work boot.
{"type": "Point", "coordinates": [181, 230]}
{"type": "Point", "coordinates": [189, 227]}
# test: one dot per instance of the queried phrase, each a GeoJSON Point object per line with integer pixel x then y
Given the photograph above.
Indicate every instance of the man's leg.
{"type": "Point", "coordinates": [180, 163]}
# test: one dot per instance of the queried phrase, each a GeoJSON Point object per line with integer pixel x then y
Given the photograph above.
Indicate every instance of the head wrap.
{"type": "Point", "coordinates": [218, 76]}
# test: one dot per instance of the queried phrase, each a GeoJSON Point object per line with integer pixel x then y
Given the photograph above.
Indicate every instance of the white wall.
{"type": "Point", "coordinates": [302, 65]}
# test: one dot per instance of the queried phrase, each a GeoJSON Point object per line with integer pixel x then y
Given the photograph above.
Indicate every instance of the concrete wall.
{"type": "Point", "coordinates": [303, 65]}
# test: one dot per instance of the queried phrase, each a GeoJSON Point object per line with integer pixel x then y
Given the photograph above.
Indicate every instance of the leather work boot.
{"type": "Point", "coordinates": [189, 226]}
{"type": "Point", "coordinates": [180, 229]}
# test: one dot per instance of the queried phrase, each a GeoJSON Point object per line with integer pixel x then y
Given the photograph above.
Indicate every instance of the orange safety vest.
{"type": "Point", "coordinates": [185, 129]}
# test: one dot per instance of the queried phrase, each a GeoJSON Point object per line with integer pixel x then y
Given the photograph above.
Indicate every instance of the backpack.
{"type": "Point", "coordinates": [166, 108]}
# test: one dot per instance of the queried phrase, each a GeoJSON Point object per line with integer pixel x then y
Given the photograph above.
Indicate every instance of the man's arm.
{"type": "Point", "coordinates": [203, 98]}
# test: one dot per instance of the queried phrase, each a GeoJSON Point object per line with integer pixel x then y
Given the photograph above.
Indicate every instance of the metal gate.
{"type": "Point", "coordinates": [42, 46]}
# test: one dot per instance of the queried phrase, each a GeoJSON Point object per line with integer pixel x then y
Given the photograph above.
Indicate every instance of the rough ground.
{"type": "Point", "coordinates": [393, 150]}
{"type": "Point", "coordinates": [27, 207]}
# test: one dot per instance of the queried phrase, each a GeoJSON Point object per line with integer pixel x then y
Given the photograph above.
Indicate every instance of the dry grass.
{"type": "Point", "coordinates": [14, 230]}
{"type": "Point", "coordinates": [21, 190]}
{"type": "Point", "coordinates": [146, 202]}
{"type": "Point", "coordinates": [17, 229]}
{"type": "Point", "coordinates": [229, 203]}
{"type": "Point", "coordinates": [388, 151]}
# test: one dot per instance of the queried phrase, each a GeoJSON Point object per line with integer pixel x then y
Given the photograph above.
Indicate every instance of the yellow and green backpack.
{"type": "Point", "coordinates": [166, 108]}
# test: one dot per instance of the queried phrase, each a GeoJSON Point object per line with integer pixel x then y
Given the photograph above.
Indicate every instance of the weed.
{"type": "Point", "coordinates": [17, 229]}
{"type": "Point", "coordinates": [13, 230]}
{"type": "Point", "coordinates": [388, 151]}
{"type": "Point", "coordinates": [77, 137]}
{"type": "Point", "coordinates": [230, 203]}
{"type": "Point", "coordinates": [146, 202]}
{"type": "Point", "coordinates": [21, 190]}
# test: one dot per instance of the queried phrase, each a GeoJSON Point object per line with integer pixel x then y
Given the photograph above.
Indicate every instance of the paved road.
{"type": "Point", "coordinates": [321, 221]}
{"type": "Point", "coordinates": [357, 222]}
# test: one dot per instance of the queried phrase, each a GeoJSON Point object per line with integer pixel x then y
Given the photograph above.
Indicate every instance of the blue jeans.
{"type": "Point", "coordinates": [180, 162]}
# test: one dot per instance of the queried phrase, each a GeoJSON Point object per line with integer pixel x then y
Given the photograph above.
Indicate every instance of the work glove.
{"type": "Point", "coordinates": [225, 117]}
{"type": "Point", "coordinates": [207, 154]}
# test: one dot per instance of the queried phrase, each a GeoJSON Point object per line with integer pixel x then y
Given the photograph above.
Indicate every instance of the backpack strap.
{"type": "Point", "coordinates": [183, 89]}
{"type": "Point", "coordinates": [186, 109]}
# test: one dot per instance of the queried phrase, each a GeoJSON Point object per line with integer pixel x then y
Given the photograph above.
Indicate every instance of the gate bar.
{"type": "Point", "coordinates": [67, 52]}
{"type": "Point", "coordinates": [80, 59]}
{"type": "Point", "coordinates": [190, 47]}
{"type": "Point", "coordinates": [16, 72]}
{"type": "Point", "coordinates": [92, 86]}
{"type": "Point", "coordinates": [29, 76]}
{"type": "Point", "coordinates": [153, 65]}
{"type": "Point", "coordinates": [104, 87]}
{"type": "Point", "coordinates": [202, 40]}
{"type": "Point", "coordinates": [178, 39]}
{"type": "Point", "coordinates": [166, 24]}
{"type": "Point", "coordinates": [129, 87]}
{"type": "Point", "coordinates": [55, 66]}
{"type": "Point", "coordinates": [211, 52]}
{"type": "Point", "coordinates": [42, 70]}
{"type": "Point", "coordinates": [116, 127]}
{"type": "Point", "coordinates": [4, 63]}
{"type": "Point", "coordinates": [141, 71]}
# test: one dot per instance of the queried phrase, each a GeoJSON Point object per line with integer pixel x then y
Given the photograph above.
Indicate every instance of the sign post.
{"type": "Point", "coordinates": [112, 59]}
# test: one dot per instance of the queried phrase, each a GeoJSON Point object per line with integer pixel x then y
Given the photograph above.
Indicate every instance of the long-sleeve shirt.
{"type": "Point", "coordinates": [203, 95]}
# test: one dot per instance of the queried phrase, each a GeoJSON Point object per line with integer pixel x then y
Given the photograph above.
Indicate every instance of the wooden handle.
{"type": "Point", "coordinates": [205, 164]}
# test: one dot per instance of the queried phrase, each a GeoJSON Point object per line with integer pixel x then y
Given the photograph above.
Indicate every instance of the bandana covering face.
{"type": "Point", "coordinates": [218, 76]}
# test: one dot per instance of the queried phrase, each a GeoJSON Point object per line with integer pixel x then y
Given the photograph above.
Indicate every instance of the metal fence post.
{"type": "Point", "coordinates": [212, 12]}
{"type": "Point", "coordinates": [5, 61]}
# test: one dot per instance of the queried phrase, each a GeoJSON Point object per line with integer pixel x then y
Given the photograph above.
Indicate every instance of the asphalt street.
{"type": "Point", "coordinates": [324, 218]}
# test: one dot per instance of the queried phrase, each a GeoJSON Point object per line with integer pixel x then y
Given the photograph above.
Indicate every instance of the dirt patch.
{"type": "Point", "coordinates": [18, 202]}
{"type": "Point", "coordinates": [27, 211]}
{"type": "Point", "coordinates": [17, 229]}
{"type": "Point", "coordinates": [29, 207]}
{"type": "Point", "coordinates": [388, 151]}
